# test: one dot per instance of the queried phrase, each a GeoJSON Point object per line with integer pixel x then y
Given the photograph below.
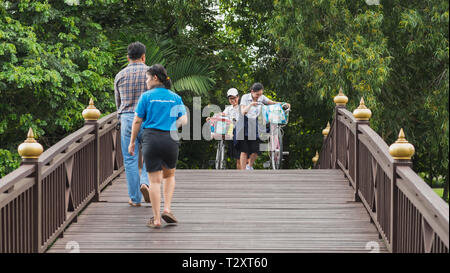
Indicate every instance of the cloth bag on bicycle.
{"type": "Point", "coordinates": [274, 114]}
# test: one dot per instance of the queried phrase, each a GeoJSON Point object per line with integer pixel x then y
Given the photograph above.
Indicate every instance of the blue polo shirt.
{"type": "Point", "coordinates": [160, 108]}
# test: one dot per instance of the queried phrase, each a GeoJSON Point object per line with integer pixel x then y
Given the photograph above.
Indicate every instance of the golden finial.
{"type": "Point", "coordinates": [30, 148]}
{"type": "Point", "coordinates": [362, 112]}
{"type": "Point", "coordinates": [91, 113]}
{"type": "Point", "coordinates": [326, 131]}
{"type": "Point", "coordinates": [401, 149]}
{"type": "Point", "coordinates": [315, 158]}
{"type": "Point", "coordinates": [340, 99]}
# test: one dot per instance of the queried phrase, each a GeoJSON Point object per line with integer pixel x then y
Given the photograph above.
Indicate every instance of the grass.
{"type": "Point", "coordinates": [440, 192]}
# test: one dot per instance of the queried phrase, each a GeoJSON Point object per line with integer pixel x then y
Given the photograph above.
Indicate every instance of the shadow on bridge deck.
{"type": "Point", "coordinates": [232, 211]}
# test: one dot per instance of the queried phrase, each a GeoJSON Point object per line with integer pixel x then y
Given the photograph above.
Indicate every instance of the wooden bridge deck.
{"type": "Point", "coordinates": [232, 211]}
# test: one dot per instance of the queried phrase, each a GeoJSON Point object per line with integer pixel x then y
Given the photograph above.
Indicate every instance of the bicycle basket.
{"type": "Point", "coordinates": [274, 114]}
{"type": "Point", "coordinates": [221, 126]}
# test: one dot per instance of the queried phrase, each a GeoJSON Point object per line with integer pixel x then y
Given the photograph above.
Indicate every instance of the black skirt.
{"type": "Point", "coordinates": [159, 150]}
{"type": "Point", "coordinates": [233, 151]}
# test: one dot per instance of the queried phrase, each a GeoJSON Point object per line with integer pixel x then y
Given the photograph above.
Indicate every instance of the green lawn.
{"type": "Point", "coordinates": [439, 191]}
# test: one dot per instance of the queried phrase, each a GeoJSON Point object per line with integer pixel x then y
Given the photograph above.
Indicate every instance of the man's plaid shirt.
{"type": "Point", "coordinates": [129, 84]}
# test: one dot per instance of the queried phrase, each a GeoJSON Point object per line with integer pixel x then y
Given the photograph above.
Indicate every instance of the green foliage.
{"type": "Point", "coordinates": [55, 55]}
{"type": "Point", "coordinates": [189, 75]}
{"type": "Point", "coordinates": [395, 55]}
{"type": "Point", "coordinates": [8, 162]}
{"type": "Point", "coordinates": [52, 63]}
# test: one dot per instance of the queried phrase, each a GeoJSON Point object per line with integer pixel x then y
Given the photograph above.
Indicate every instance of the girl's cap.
{"type": "Point", "coordinates": [232, 92]}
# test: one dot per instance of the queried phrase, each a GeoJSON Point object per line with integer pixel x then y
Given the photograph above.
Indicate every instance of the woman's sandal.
{"type": "Point", "coordinates": [169, 218]}
{"type": "Point", "coordinates": [151, 223]}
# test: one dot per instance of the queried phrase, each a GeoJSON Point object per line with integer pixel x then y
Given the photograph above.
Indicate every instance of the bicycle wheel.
{"type": "Point", "coordinates": [223, 163]}
{"type": "Point", "coordinates": [276, 149]}
{"type": "Point", "coordinates": [218, 155]}
{"type": "Point", "coordinates": [280, 141]}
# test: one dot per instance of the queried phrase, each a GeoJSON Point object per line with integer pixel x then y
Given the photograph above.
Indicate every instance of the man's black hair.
{"type": "Point", "coordinates": [257, 87]}
{"type": "Point", "coordinates": [136, 50]}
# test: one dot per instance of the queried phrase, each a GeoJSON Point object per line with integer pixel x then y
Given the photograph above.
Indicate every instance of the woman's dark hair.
{"type": "Point", "coordinates": [257, 87]}
{"type": "Point", "coordinates": [161, 73]}
{"type": "Point", "coordinates": [136, 50]}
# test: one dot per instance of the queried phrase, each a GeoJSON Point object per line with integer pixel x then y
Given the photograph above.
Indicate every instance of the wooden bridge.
{"type": "Point", "coordinates": [73, 197]}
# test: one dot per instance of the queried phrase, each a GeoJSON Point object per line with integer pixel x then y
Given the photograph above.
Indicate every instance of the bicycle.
{"type": "Point", "coordinates": [221, 133]}
{"type": "Point", "coordinates": [276, 142]}
{"type": "Point", "coordinates": [221, 163]}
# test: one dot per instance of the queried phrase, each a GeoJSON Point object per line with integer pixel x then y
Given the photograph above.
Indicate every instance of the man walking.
{"type": "Point", "coordinates": [129, 84]}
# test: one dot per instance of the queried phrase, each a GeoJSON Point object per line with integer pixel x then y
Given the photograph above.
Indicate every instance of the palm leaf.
{"type": "Point", "coordinates": [156, 51]}
{"type": "Point", "coordinates": [189, 74]}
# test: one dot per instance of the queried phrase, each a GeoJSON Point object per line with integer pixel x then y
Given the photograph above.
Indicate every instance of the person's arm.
{"type": "Point", "coordinates": [182, 114]}
{"type": "Point", "coordinates": [227, 111]}
{"type": "Point", "coordinates": [140, 115]}
{"type": "Point", "coordinates": [181, 121]}
{"type": "Point", "coordinates": [269, 102]}
{"type": "Point", "coordinates": [137, 122]}
{"type": "Point", "coordinates": [246, 108]}
{"type": "Point", "coordinates": [117, 94]}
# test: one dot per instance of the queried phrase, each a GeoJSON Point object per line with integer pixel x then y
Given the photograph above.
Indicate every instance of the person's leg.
{"type": "Point", "coordinates": [155, 195]}
{"type": "Point", "coordinates": [238, 164]}
{"type": "Point", "coordinates": [243, 160]}
{"type": "Point", "coordinates": [169, 188]}
{"type": "Point", "coordinates": [243, 148]}
{"type": "Point", "coordinates": [144, 176]}
{"type": "Point", "coordinates": [253, 151]}
{"type": "Point", "coordinates": [130, 162]}
{"type": "Point", "coordinates": [252, 159]}
{"type": "Point", "coordinates": [144, 184]}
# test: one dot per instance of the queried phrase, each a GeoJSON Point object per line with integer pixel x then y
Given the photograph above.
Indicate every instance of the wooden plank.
{"type": "Point", "coordinates": [60, 158]}
{"type": "Point", "coordinates": [232, 211]}
{"type": "Point", "coordinates": [9, 180]}
{"type": "Point", "coordinates": [50, 153]}
{"type": "Point", "coordinates": [377, 147]}
{"type": "Point", "coordinates": [349, 123]}
{"type": "Point", "coordinates": [430, 205]}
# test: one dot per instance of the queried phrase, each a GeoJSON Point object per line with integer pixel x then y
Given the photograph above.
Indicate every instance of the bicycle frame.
{"type": "Point", "coordinates": [220, 155]}
{"type": "Point", "coordinates": [276, 144]}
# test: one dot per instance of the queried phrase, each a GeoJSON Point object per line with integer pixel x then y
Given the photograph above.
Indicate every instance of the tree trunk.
{"type": "Point", "coordinates": [445, 195]}
{"type": "Point", "coordinates": [430, 168]}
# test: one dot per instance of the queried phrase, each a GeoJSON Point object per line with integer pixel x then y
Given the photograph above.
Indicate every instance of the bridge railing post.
{"type": "Point", "coordinates": [91, 115]}
{"type": "Point", "coordinates": [362, 115]}
{"type": "Point", "coordinates": [30, 151]}
{"type": "Point", "coordinates": [401, 151]}
{"type": "Point", "coordinates": [356, 156]}
{"type": "Point", "coordinates": [341, 103]}
{"type": "Point", "coordinates": [97, 163]}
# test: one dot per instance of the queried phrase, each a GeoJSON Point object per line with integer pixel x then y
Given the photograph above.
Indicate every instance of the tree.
{"type": "Point", "coordinates": [52, 63]}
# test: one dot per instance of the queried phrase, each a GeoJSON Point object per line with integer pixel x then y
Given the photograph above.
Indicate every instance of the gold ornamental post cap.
{"type": "Point", "coordinates": [30, 148]}
{"type": "Point", "coordinates": [91, 113]}
{"type": "Point", "coordinates": [326, 131]}
{"type": "Point", "coordinates": [362, 112]}
{"type": "Point", "coordinates": [401, 149]}
{"type": "Point", "coordinates": [340, 99]}
{"type": "Point", "coordinates": [315, 158]}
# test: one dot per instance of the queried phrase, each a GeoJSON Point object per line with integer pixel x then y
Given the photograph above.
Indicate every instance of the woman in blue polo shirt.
{"type": "Point", "coordinates": [160, 112]}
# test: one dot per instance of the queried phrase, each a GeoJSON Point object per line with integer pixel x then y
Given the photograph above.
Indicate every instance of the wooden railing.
{"type": "Point", "coordinates": [43, 196]}
{"type": "Point", "coordinates": [408, 214]}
